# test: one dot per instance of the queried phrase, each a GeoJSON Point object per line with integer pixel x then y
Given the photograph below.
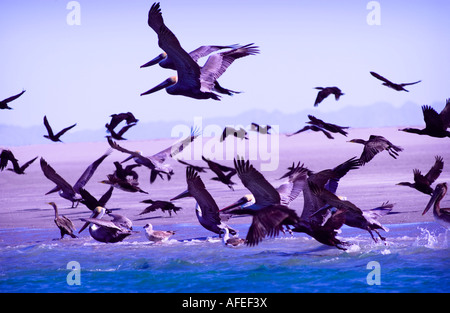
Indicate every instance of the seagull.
{"type": "Point", "coordinates": [423, 183]}
{"type": "Point", "coordinates": [325, 92]}
{"type": "Point", "coordinates": [231, 241]}
{"type": "Point", "coordinates": [388, 83]}
{"type": "Point", "coordinates": [4, 102]}
{"type": "Point", "coordinates": [436, 125]}
{"type": "Point", "coordinates": [7, 155]}
{"type": "Point", "coordinates": [157, 235]}
{"type": "Point", "coordinates": [107, 231]}
{"type": "Point", "coordinates": [375, 145]}
{"type": "Point", "coordinates": [56, 137]}
{"type": "Point", "coordinates": [64, 224]}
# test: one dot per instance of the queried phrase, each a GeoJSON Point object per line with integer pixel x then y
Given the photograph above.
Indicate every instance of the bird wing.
{"type": "Point", "coordinates": [300, 130]}
{"type": "Point", "coordinates": [407, 84]}
{"type": "Point", "coordinates": [265, 194]}
{"type": "Point", "coordinates": [64, 222]}
{"type": "Point", "coordinates": [48, 127]}
{"type": "Point", "coordinates": [26, 164]}
{"type": "Point", "coordinates": [197, 189]}
{"type": "Point", "coordinates": [291, 189]}
{"type": "Point", "coordinates": [64, 130]}
{"type": "Point", "coordinates": [435, 170]}
{"type": "Point", "coordinates": [87, 174]}
{"type": "Point", "coordinates": [321, 95]}
{"type": "Point", "coordinates": [51, 174]}
{"type": "Point", "coordinates": [177, 147]}
{"type": "Point", "coordinates": [12, 98]}
{"type": "Point", "coordinates": [381, 78]}
{"type": "Point", "coordinates": [445, 114]}
{"type": "Point", "coordinates": [433, 120]}
{"type": "Point", "coordinates": [6, 156]}
{"type": "Point", "coordinates": [203, 51]}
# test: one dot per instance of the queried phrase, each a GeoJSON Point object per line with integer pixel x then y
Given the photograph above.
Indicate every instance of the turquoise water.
{"type": "Point", "coordinates": [416, 258]}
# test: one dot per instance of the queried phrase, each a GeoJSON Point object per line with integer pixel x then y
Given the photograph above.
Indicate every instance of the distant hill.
{"type": "Point", "coordinates": [376, 115]}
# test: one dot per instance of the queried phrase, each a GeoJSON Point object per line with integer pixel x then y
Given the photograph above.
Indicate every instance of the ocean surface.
{"type": "Point", "coordinates": [415, 258]}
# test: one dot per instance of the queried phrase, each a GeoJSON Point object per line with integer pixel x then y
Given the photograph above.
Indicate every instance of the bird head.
{"type": "Point", "coordinates": [245, 201]}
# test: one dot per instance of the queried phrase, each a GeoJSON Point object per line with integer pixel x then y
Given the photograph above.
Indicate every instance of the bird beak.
{"type": "Point", "coordinates": [432, 200]}
{"type": "Point", "coordinates": [93, 215]}
{"type": "Point", "coordinates": [184, 194]}
{"type": "Point", "coordinates": [129, 158]}
{"type": "Point", "coordinates": [156, 60]}
{"type": "Point", "coordinates": [53, 190]}
{"type": "Point", "coordinates": [168, 82]}
{"type": "Point", "coordinates": [240, 202]}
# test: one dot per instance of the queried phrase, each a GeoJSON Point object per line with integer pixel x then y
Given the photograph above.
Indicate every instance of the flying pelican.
{"type": "Point", "coordinates": [325, 92]}
{"type": "Point", "coordinates": [65, 189]}
{"type": "Point", "coordinates": [441, 215]}
{"type": "Point", "coordinates": [159, 204]}
{"type": "Point", "coordinates": [238, 133]}
{"type": "Point", "coordinates": [231, 241]}
{"type": "Point", "coordinates": [64, 224]}
{"type": "Point", "coordinates": [91, 202]}
{"type": "Point", "coordinates": [157, 235]}
{"type": "Point", "coordinates": [4, 102]}
{"type": "Point", "coordinates": [56, 137]}
{"type": "Point", "coordinates": [7, 155]}
{"type": "Point", "coordinates": [206, 207]}
{"type": "Point", "coordinates": [107, 231]}
{"type": "Point", "coordinates": [192, 81]}
{"type": "Point", "coordinates": [375, 145]}
{"type": "Point", "coordinates": [261, 129]}
{"type": "Point", "coordinates": [220, 171]}
{"type": "Point", "coordinates": [435, 124]}
{"type": "Point", "coordinates": [165, 62]}
{"type": "Point", "coordinates": [423, 183]}
{"type": "Point", "coordinates": [327, 126]}
{"type": "Point", "coordinates": [388, 83]}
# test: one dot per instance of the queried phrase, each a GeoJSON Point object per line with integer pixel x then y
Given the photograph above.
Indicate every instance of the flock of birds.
{"type": "Point", "coordinates": [323, 212]}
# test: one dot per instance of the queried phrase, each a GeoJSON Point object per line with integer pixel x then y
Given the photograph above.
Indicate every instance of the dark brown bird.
{"type": "Point", "coordinates": [313, 128]}
{"type": "Point", "coordinates": [91, 202]}
{"type": "Point", "coordinates": [127, 184]}
{"type": "Point", "coordinates": [388, 83]}
{"type": "Point", "coordinates": [436, 125]}
{"type": "Point", "coordinates": [327, 126]}
{"type": "Point", "coordinates": [423, 183]}
{"type": "Point", "coordinates": [52, 136]}
{"type": "Point", "coordinates": [441, 215]}
{"type": "Point", "coordinates": [325, 92]}
{"type": "Point", "coordinates": [261, 129]}
{"type": "Point", "coordinates": [200, 169]}
{"type": "Point", "coordinates": [7, 155]}
{"type": "Point", "coordinates": [220, 171]}
{"type": "Point", "coordinates": [64, 224]}
{"type": "Point", "coordinates": [4, 102]}
{"type": "Point", "coordinates": [116, 119]}
{"type": "Point", "coordinates": [161, 205]}
{"type": "Point", "coordinates": [375, 145]}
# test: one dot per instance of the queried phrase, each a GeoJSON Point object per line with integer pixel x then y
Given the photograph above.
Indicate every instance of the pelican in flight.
{"type": "Point", "coordinates": [436, 125]}
{"type": "Point", "coordinates": [441, 215]}
{"type": "Point", "coordinates": [4, 102]}
{"type": "Point", "coordinates": [64, 224]}
{"type": "Point", "coordinates": [388, 83]}
{"type": "Point", "coordinates": [52, 136]}
{"type": "Point", "coordinates": [157, 235]}
{"type": "Point", "coordinates": [423, 183]}
{"type": "Point", "coordinates": [206, 207]}
{"type": "Point", "coordinates": [325, 92]}
{"type": "Point", "coordinates": [7, 155]}
{"type": "Point", "coordinates": [63, 187]}
{"type": "Point", "coordinates": [375, 145]}
{"type": "Point", "coordinates": [107, 231]}
{"type": "Point", "coordinates": [191, 80]}
{"type": "Point", "coordinates": [161, 205]}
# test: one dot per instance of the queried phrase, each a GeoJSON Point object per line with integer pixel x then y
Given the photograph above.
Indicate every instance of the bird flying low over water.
{"type": "Point", "coordinates": [388, 83]}
{"type": "Point", "coordinates": [436, 125]}
{"type": "Point", "coordinates": [7, 155]}
{"type": "Point", "coordinates": [52, 136]}
{"type": "Point", "coordinates": [231, 131]}
{"type": "Point", "coordinates": [441, 215]}
{"type": "Point", "coordinates": [4, 102]}
{"type": "Point", "coordinates": [325, 92]}
{"type": "Point", "coordinates": [66, 190]}
{"type": "Point", "coordinates": [191, 80]}
{"type": "Point", "coordinates": [206, 208]}
{"type": "Point", "coordinates": [423, 183]}
{"type": "Point", "coordinates": [375, 145]}
{"type": "Point", "coordinates": [157, 235]}
{"type": "Point", "coordinates": [318, 125]}
{"type": "Point", "coordinates": [107, 231]}
{"type": "Point", "coordinates": [313, 128]}
{"type": "Point", "coordinates": [64, 224]}
{"type": "Point", "coordinates": [161, 205]}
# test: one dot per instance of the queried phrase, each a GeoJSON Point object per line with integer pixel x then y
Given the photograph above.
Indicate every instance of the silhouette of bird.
{"type": "Point", "coordinates": [436, 125]}
{"type": "Point", "coordinates": [220, 171]}
{"type": "Point", "coordinates": [327, 126]}
{"type": "Point", "coordinates": [161, 205]}
{"type": "Point", "coordinates": [441, 215]}
{"type": "Point", "coordinates": [7, 155]}
{"type": "Point", "coordinates": [423, 183]}
{"type": "Point", "coordinates": [375, 145]}
{"type": "Point", "coordinates": [4, 102]}
{"type": "Point", "coordinates": [91, 202]}
{"type": "Point", "coordinates": [191, 80]}
{"type": "Point", "coordinates": [64, 224]}
{"type": "Point", "coordinates": [126, 184]}
{"type": "Point", "coordinates": [200, 169]}
{"type": "Point", "coordinates": [56, 137]}
{"type": "Point", "coordinates": [260, 129]}
{"type": "Point", "coordinates": [238, 133]}
{"type": "Point", "coordinates": [313, 128]}
{"type": "Point", "coordinates": [116, 119]}
{"type": "Point", "coordinates": [388, 83]}
{"type": "Point", "coordinates": [325, 92]}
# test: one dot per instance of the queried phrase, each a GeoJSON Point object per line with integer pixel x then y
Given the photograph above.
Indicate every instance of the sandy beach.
{"type": "Point", "coordinates": [24, 203]}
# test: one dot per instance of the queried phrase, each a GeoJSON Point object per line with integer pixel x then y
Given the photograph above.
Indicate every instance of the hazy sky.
{"type": "Point", "coordinates": [83, 73]}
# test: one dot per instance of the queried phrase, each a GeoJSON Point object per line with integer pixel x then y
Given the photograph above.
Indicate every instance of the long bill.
{"type": "Point", "coordinates": [167, 83]}
{"type": "Point", "coordinates": [156, 60]}
{"type": "Point", "coordinates": [94, 214]}
{"type": "Point", "coordinates": [240, 202]}
{"type": "Point", "coordinates": [433, 198]}
{"type": "Point", "coordinates": [184, 194]}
